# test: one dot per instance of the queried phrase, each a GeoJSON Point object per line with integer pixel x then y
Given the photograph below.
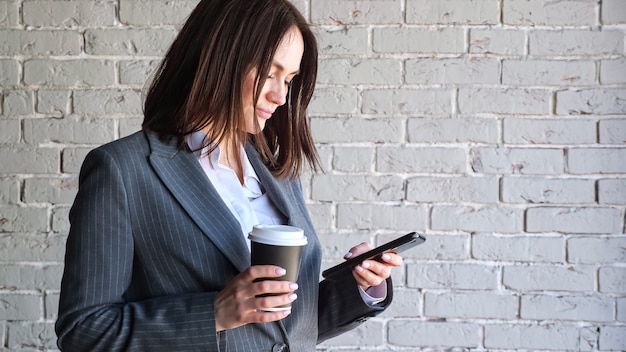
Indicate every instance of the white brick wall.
{"type": "Point", "coordinates": [495, 127]}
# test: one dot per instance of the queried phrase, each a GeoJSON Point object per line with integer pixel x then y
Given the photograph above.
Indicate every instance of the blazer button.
{"type": "Point", "coordinates": [280, 347]}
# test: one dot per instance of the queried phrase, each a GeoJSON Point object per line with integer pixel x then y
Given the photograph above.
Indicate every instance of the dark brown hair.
{"type": "Point", "coordinates": [199, 82]}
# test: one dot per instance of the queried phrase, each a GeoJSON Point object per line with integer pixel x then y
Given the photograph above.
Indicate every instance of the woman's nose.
{"type": "Point", "coordinates": [278, 93]}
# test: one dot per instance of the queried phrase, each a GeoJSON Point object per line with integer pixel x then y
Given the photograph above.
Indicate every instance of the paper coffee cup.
{"type": "Point", "coordinates": [279, 245]}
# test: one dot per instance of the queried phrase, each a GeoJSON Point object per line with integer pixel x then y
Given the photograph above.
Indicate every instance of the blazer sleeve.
{"type": "Point", "coordinates": [93, 313]}
{"type": "Point", "coordinates": [341, 307]}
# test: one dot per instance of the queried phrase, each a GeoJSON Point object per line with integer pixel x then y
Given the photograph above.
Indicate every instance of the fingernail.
{"type": "Point", "coordinates": [286, 312]}
{"type": "Point", "coordinates": [386, 256]}
{"type": "Point", "coordinates": [358, 268]}
{"type": "Point", "coordinates": [365, 265]}
{"type": "Point", "coordinates": [281, 271]}
{"type": "Point", "coordinates": [348, 255]}
{"type": "Point", "coordinates": [293, 296]}
{"type": "Point", "coordinates": [293, 286]}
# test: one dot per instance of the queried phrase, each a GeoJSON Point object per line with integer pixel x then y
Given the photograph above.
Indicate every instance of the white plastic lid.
{"type": "Point", "coordinates": [278, 235]}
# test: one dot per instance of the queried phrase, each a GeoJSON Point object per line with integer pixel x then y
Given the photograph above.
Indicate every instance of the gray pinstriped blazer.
{"type": "Point", "coordinates": [150, 245]}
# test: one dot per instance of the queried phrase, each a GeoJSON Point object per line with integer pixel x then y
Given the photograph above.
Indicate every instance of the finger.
{"type": "Point", "coordinates": [266, 317]}
{"type": "Point", "coordinates": [365, 277]}
{"type": "Point", "coordinates": [392, 259]}
{"type": "Point", "coordinates": [268, 302]}
{"type": "Point", "coordinates": [358, 249]}
{"type": "Point", "coordinates": [273, 287]}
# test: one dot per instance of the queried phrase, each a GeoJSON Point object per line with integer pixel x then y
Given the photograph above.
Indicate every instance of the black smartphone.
{"type": "Point", "coordinates": [398, 245]}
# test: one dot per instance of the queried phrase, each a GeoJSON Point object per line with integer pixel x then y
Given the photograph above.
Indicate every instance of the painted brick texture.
{"type": "Point", "coordinates": [497, 128]}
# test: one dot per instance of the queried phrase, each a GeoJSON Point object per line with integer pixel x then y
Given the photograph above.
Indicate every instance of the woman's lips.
{"type": "Point", "coordinates": [264, 113]}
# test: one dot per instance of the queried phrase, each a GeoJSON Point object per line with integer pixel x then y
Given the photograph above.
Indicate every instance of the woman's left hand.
{"type": "Point", "coordinates": [372, 272]}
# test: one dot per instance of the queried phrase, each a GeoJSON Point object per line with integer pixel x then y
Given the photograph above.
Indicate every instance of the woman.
{"type": "Point", "coordinates": [157, 258]}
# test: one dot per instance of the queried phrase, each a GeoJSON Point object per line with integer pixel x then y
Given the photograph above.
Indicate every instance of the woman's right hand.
{"type": "Point", "coordinates": [237, 304]}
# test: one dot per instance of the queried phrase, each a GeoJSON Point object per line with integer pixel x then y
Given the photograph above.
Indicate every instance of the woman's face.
{"type": "Point", "coordinates": [285, 65]}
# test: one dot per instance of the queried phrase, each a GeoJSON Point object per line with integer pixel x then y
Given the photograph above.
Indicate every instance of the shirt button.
{"type": "Point", "coordinates": [280, 347]}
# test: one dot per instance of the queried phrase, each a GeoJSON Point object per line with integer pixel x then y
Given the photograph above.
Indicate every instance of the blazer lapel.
{"type": "Point", "coordinates": [183, 176]}
{"type": "Point", "coordinates": [275, 188]}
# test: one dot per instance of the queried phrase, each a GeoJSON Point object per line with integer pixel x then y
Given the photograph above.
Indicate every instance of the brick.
{"type": "Point", "coordinates": [613, 12]}
{"type": "Point", "coordinates": [548, 72]}
{"type": "Point", "coordinates": [155, 13]}
{"type": "Point", "coordinates": [322, 215]}
{"type": "Point", "coordinates": [472, 70]}
{"type": "Point", "coordinates": [497, 41]}
{"type": "Point", "coordinates": [73, 159]}
{"type": "Point", "coordinates": [20, 307]}
{"type": "Point", "coordinates": [353, 159]}
{"type": "Point", "coordinates": [453, 189]}
{"type": "Point", "coordinates": [553, 336]}
{"type": "Point", "coordinates": [75, 73]}
{"type": "Point", "coordinates": [591, 101]}
{"type": "Point", "coordinates": [129, 126]}
{"type": "Point", "coordinates": [595, 250]}
{"type": "Point", "coordinates": [612, 131]}
{"type": "Point", "coordinates": [342, 40]}
{"type": "Point", "coordinates": [135, 42]}
{"type": "Point", "coordinates": [568, 42]}
{"type": "Point", "coordinates": [335, 246]}
{"type": "Point", "coordinates": [549, 278]}
{"type": "Point", "coordinates": [474, 305]}
{"type": "Point", "coordinates": [106, 102]}
{"type": "Point", "coordinates": [18, 103]}
{"type": "Point", "coordinates": [453, 12]}
{"type": "Point", "coordinates": [422, 159]}
{"type": "Point", "coordinates": [51, 305]}
{"type": "Point", "coordinates": [417, 40]}
{"type": "Point", "coordinates": [334, 100]}
{"type": "Point", "coordinates": [611, 191]}
{"type": "Point", "coordinates": [40, 42]}
{"type": "Point", "coordinates": [530, 101]}
{"type": "Point", "coordinates": [547, 190]}
{"type": "Point", "coordinates": [523, 161]}
{"type": "Point", "coordinates": [453, 130]}
{"type": "Point", "coordinates": [612, 338]}
{"type": "Point", "coordinates": [364, 335]}
{"type": "Point", "coordinates": [30, 277]}
{"type": "Point", "coordinates": [434, 333]}
{"type": "Point", "coordinates": [423, 102]}
{"type": "Point", "coordinates": [452, 276]}
{"type": "Point", "coordinates": [567, 307]}
{"type": "Point", "coordinates": [9, 190]}
{"type": "Point", "coordinates": [360, 71]}
{"type": "Point", "coordinates": [357, 188]}
{"type": "Point", "coordinates": [406, 303]}
{"type": "Point", "coordinates": [53, 102]}
{"type": "Point", "coordinates": [355, 130]}
{"type": "Point", "coordinates": [20, 247]}
{"type": "Point", "coordinates": [611, 280]}
{"type": "Point", "coordinates": [28, 160]}
{"type": "Point", "coordinates": [356, 12]}
{"type": "Point", "coordinates": [574, 220]}
{"type": "Point", "coordinates": [9, 131]}
{"type": "Point", "coordinates": [68, 131]}
{"type": "Point", "coordinates": [9, 71]}
{"type": "Point", "coordinates": [518, 248]}
{"type": "Point", "coordinates": [9, 16]}
{"type": "Point", "coordinates": [39, 336]}
{"type": "Point", "coordinates": [137, 72]}
{"type": "Point", "coordinates": [596, 160]}
{"type": "Point", "coordinates": [383, 216]}
{"type": "Point", "coordinates": [23, 219]}
{"type": "Point", "coordinates": [50, 190]}
{"type": "Point", "coordinates": [540, 12]}
{"type": "Point", "coordinates": [613, 71]}
{"type": "Point", "coordinates": [549, 131]}
{"type": "Point", "coordinates": [69, 14]}
{"type": "Point", "coordinates": [621, 309]}
{"type": "Point", "coordinates": [477, 219]}
{"type": "Point", "coordinates": [60, 219]}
